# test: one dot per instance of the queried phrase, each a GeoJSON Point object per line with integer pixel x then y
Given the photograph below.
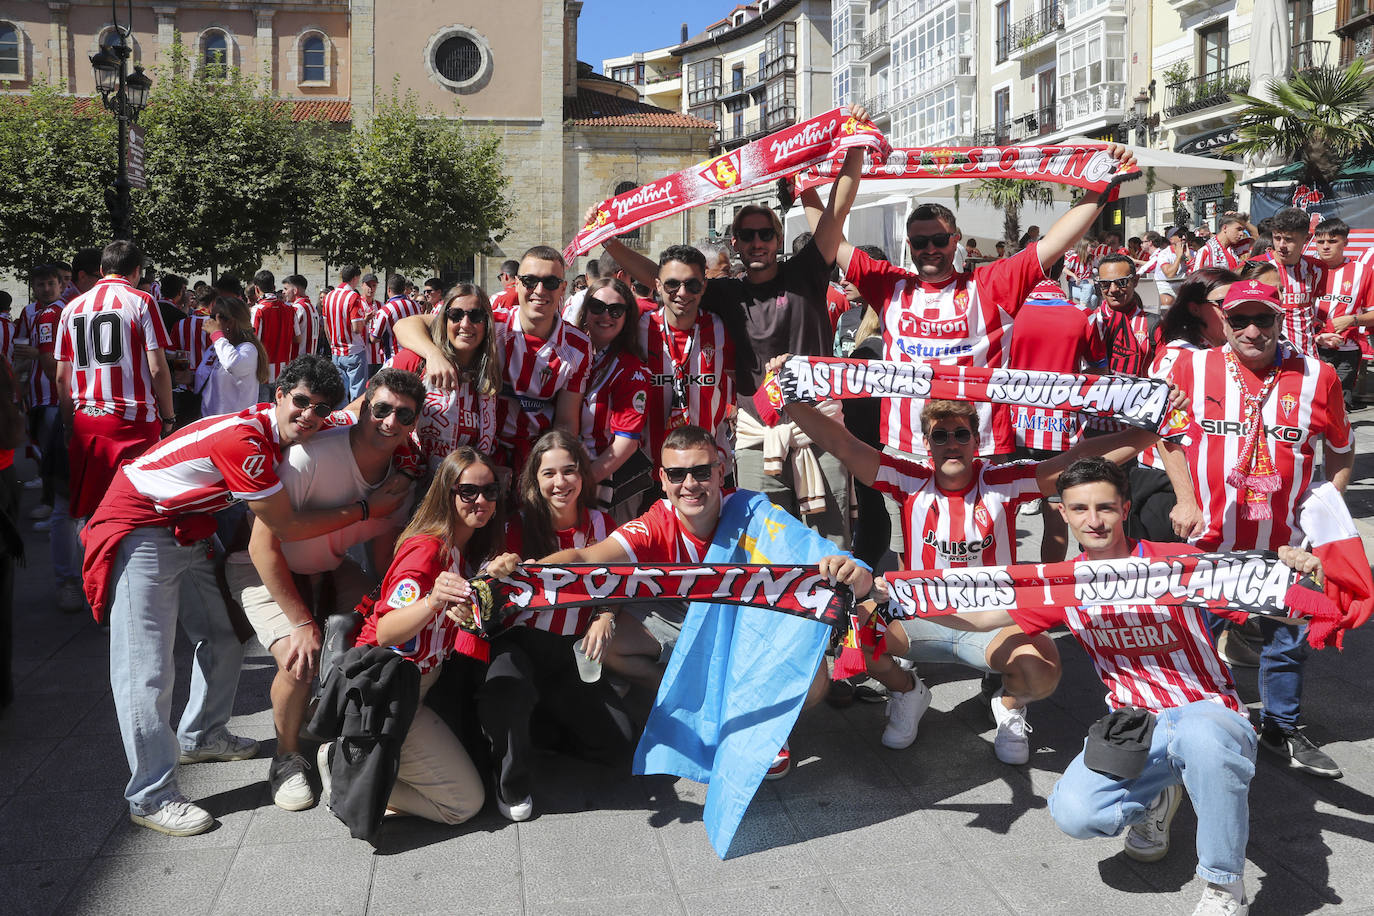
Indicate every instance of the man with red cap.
{"type": "Point", "coordinates": [1257, 408]}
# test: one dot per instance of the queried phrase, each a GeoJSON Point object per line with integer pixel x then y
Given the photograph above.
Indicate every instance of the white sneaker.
{"type": "Point", "coordinates": [224, 747]}
{"type": "Point", "coordinates": [1010, 745]}
{"type": "Point", "coordinates": [1148, 839]}
{"type": "Point", "coordinates": [904, 711]}
{"type": "Point", "coordinates": [178, 817]}
{"type": "Point", "coordinates": [1218, 901]}
{"type": "Point", "coordinates": [1032, 507]}
{"type": "Point", "coordinates": [289, 784]}
{"type": "Point", "coordinates": [324, 760]}
{"type": "Point", "coordinates": [520, 811]}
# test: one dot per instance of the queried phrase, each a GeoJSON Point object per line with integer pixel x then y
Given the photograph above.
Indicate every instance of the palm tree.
{"type": "Point", "coordinates": [1321, 117]}
{"type": "Point", "coordinates": [1009, 195]}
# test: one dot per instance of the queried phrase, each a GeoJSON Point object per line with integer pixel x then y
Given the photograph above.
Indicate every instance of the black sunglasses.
{"type": "Point", "coordinates": [748, 235]}
{"type": "Point", "coordinates": [693, 286]}
{"type": "Point", "coordinates": [701, 473]}
{"type": "Point", "coordinates": [1264, 321]}
{"type": "Point", "coordinates": [476, 316]}
{"type": "Point", "coordinates": [304, 403]}
{"type": "Point", "coordinates": [433, 292]}
{"type": "Point", "coordinates": [919, 242]}
{"type": "Point", "coordinates": [1120, 283]}
{"type": "Point", "coordinates": [941, 436]}
{"type": "Point", "coordinates": [597, 307]}
{"type": "Point", "coordinates": [550, 282]}
{"type": "Point", "coordinates": [468, 492]}
{"type": "Point", "coordinates": [404, 415]}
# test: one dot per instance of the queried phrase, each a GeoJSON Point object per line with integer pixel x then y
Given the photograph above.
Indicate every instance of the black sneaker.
{"type": "Point", "coordinates": [1299, 751]}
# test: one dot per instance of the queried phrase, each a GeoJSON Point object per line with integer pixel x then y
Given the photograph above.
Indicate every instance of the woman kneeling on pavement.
{"type": "Point", "coordinates": [454, 535]}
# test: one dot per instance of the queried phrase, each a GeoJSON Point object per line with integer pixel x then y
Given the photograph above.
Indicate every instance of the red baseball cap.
{"type": "Point", "coordinates": [1244, 291]}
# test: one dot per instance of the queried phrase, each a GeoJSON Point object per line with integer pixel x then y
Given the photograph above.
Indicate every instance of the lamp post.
{"type": "Point", "coordinates": [125, 95]}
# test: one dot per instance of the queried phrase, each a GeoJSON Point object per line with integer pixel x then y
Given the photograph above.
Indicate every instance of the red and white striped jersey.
{"type": "Point", "coordinates": [972, 527]}
{"type": "Point", "coordinates": [7, 339]}
{"type": "Point", "coordinates": [342, 307]}
{"type": "Point", "coordinates": [690, 375]}
{"type": "Point", "coordinates": [836, 304]}
{"type": "Point", "coordinates": [1299, 286]}
{"type": "Point", "coordinates": [449, 419]}
{"type": "Point", "coordinates": [617, 399]}
{"type": "Point", "coordinates": [657, 536]}
{"type": "Point", "coordinates": [275, 324]}
{"type": "Point", "coordinates": [383, 323]}
{"type": "Point", "coordinates": [211, 464]}
{"type": "Point", "coordinates": [1096, 253]}
{"type": "Point", "coordinates": [960, 323]}
{"type": "Point", "coordinates": [1073, 263]}
{"type": "Point", "coordinates": [105, 334]}
{"type": "Point", "coordinates": [1051, 334]}
{"type": "Point", "coordinates": [1164, 360]}
{"type": "Point", "coordinates": [307, 326]}
{"type": "Point", "coordinates": [1306, 405]}
{"type": "Point", "coordinates": [418, 562]}
{"type": "Point", "coordinates": [535, 373]}
{"type": "Point", "coordinates": [376, 349]}
{"type": "Point", "coordinates": [1215, 254]}
{"type": "Point", "coordinates": [565, 621]}
{"type": "Point", "coordinates": [1345, 290]}
{"type": "Point", "coordinates": [38, 323]}
{"type": "Point", "coordinates": [189, 335]}
{"type": "Point", "coordinates": [1152, 656]}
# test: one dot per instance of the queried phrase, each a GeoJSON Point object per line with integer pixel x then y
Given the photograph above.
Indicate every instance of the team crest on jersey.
{"type": "Point", "coordinates": [708, 357]}
{"type": "Point", "coordinates": [641, 401]}
{"type": "Point", "coordinates": [980, 515]}
{"type": "Point", "coordinates": [961, 299]}
{"type": "Point", "coordinates": [406, 593]}
{"type": "Point", "coordinates": [1287, 403]}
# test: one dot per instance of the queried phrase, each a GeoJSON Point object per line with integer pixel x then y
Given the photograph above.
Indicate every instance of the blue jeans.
{"type": "Point", "coordinates": [354, 372]}
{"type": "Point", "coordinates": [156, 583]}
{"type": "Point", "coordinates": [932, 644]}
{"type": "Point", "coordinates": [1280, 673]}
{"type": "Point", "coordinates": [63, 540]}
{"type": "Point", "coordinates": [1203, 745]}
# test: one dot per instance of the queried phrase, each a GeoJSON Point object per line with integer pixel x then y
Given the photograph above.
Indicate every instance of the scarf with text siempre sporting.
{"type": "Point", "coordinates": [778, 155]}
{"type": "Point", "coordinates": [1087, 165]}
{"type": "Point", "coordinates": [1136, 401]}
{"type": "Point", "coordinates": [1249, 582]}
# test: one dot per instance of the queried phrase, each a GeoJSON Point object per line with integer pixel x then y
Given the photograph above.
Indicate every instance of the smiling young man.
{"type": "Point", "coordinates": [339, 467]}
{"type": "Point", "coordinates": [1345, 305]}
{"type": "Point", "coordinates": [148, 563]}
{"type": "Point", "coordinates": [680, 528]}
{"type": "Point", "coordinates": [1300, 277]}
{"type": "Point", "coordinates": [1260, 409]}
{"type": "Point", "coordinates": [1202, 741]}
{"type": "Point", "coordinates": [545, 360]}
{"type": "Point", "coordinates": [1221, 249]}
{"type": "Point", "coordinates": [1121, 320]}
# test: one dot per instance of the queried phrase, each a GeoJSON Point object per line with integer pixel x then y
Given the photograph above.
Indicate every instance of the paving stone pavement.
{"type": "Point", "coordinates": [857, 828]}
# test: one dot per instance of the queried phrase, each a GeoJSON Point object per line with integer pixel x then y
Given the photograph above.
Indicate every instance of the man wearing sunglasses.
{"type": "Point", "coordinates": [336, 468]}
{"type": "Point", "coordinates": [1260, 408]}
{"type": "Point", "coordinates": [779, 307]}
{"type": "Point", "coordinates": [1127, 330]}
{"type": "Point", "coordinates": [148, 569]}
{"type": "Point", "coordinates": [936, 314]}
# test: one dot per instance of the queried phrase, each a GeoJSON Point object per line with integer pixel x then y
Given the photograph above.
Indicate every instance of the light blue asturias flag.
{"type": "Point", "coordinates": [738, 675]}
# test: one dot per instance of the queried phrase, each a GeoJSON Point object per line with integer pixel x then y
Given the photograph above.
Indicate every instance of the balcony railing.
{"type": "Point", "coordinates": [1309, 55]}
{"type": "Point", "coordinates": [656, 78]}
{"type": "Point", "coordinates": [703, 95]}
{"type": "Point", "coordinates": [1206, 91]}
{"type": "Point", "coordinates": [1026, 32]}
{"type": "Point", "coordinates": [1018, 130]}
{"type": "Point", "coordinates": [873, 41]}
{"type": "Point", "coordinates": [784, 63]}
{"type": "Point", "coordinates": [877, 104]}
{"type": "Point", "coordinates": [780, 115]}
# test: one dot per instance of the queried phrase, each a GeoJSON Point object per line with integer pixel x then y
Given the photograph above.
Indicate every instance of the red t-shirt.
{"type": "Point", "coordinates": [617, 399]}
{"type": "Point", "coordinates": [658, 536]}
{"type": "Point", "coordinates": [1051, 334]}
{"type": "Point", "coordinates": [416, 566]}
{"type": "Point", "coordinates": [275, 324]}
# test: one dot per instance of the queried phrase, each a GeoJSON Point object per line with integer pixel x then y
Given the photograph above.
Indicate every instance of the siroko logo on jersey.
{"type": "Point", "coordinates": [1237, 428]}
{"type": "Point", "coordinates": [701, 379]}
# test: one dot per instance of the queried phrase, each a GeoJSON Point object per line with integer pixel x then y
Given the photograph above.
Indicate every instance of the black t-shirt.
{"type": "Point", "coordinates": [170, 313]}
{"type": "Point", "coordinates": [786, 315]}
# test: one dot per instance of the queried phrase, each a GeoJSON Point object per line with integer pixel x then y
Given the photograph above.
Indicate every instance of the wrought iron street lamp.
{"type": "Point", "coordinates": [125, 95]}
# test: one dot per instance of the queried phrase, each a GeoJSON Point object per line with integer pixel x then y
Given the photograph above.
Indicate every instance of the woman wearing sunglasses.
{"type": "Point", "coordinates": [959, 511]}
{"type": "Point", "coordinates": [235, 363]}
{"type": "Point", "coordinates": [617, 393]}
{"type": "Point", "coordinates": [532, 659]}
{"type": "Point", "coordinates": [466, 413]}
{"type": "Point", "coordinates": [455, 534]}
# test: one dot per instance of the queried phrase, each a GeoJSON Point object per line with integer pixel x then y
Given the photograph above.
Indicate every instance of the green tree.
{"type": "Point", "coordinates": [1009, 195]}
{"type": "Point", "coordinates": [411, 189]}
{"type": "Point", "coordinates": [1321, 116]}
{"type": "Point", "coordinates": [57, 159]}
{"type": "Point", "coordinates": [226, 169]}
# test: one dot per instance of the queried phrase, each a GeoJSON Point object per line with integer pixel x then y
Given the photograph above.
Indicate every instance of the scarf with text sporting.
{"type": "Point", "coordinates": [1086, 165]}
{"type": "Point", "coordinates": [1249, 582]}
{"type": "Point", "coordinates": [1141, 402]}
{"type": "Point", "coordinates": [797, 590]}
{"type": "Point", "coordinates": [778, 155]}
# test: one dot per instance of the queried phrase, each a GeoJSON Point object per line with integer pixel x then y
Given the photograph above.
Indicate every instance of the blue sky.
{"type": "Point", "coordinates": [611, 28]}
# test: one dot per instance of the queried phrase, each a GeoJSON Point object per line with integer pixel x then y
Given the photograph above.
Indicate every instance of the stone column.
{"type": "Point", "coordinates": [59, 47]}
{"type": "Point", "coordinates": [166, 33]}
{"type": "Point", "coordinates": [264, 53]}
{"type": "Point", "coordinates": [362, 36]}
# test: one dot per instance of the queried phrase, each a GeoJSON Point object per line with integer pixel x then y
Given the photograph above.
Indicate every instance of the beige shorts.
{"type": "Point", "coordinates": [267, 618]}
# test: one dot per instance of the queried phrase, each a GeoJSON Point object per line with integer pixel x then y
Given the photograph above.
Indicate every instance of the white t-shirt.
{"type": "Point", "coordinates": [227, 378]}
{"type": "Point", "coordinates": [1164, 284]}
